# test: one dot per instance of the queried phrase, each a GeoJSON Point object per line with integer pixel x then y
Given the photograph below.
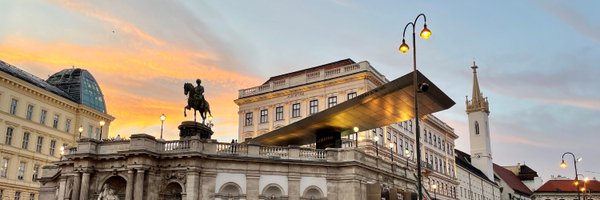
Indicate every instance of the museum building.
{"type": "Point", "coordinates": [39, 119]}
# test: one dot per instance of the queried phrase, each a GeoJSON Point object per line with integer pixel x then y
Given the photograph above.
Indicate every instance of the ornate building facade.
{"type": "Point", "coordinates": [38, 119]}
{"type": "Point", "coordinates": [287, 98]}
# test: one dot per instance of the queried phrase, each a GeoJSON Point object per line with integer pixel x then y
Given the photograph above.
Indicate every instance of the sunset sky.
{"type": "Point", "coordinates": [538, 60]}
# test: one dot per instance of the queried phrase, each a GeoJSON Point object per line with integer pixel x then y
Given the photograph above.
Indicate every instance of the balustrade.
{"type": "Point", "coordinates": [274, 151]}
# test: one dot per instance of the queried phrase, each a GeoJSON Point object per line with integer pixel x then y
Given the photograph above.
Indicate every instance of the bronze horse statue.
{"type": "Point", "coordinates": [196, 102]}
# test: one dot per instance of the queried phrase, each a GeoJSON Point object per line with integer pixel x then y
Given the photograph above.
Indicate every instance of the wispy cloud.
{"type": "Point", "coordinates": [564, 11]}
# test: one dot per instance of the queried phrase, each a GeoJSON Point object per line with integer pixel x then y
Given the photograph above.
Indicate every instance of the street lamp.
{"type": "Point", "coordinates": [425, 33]}
{"type": "Point", "coordinates": [434, 187]}
{"type": "Point", "coordinates": [563, 164]}
{"type": "Point", "coordinates": [376, 145]}
{"type": "Point", "coordinates": [80, 130]}
{"type": "Point", "coordinates": [101, 127]}
{"type": "Point", "coordinates": [162, 124]}
{"type": "Point", "coordinates": [407, 155]}
{"type": "Point", "coordinates": [355, 129]}
{"type": "Point", "coordinates": [210, 124]}
{"type": "Point", "coordinates": [392, 152]}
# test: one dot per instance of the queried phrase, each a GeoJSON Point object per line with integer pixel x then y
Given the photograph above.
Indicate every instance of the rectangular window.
{"type": "Point", "coordinates": [9, 135]}
{"type": "Point", "coordinates": [4, 167]}
{"type": "Point", "coordinates": [90, 131]}
{"type": "Point", "coordinates": [331, 101]}
{"type": "Point", "coordinates": [68, 126]}
{"type": "Point", "coordinates": [264, 116]}
{"type": "Point", "coordinates": [40, 142]}
{"type": "Point", "coordinates": [351, 95]}
{"type": "Point", "coordinates": [296, 110]}
{"type": "Point", "coordinates": [248, 121]}
{"type": "Point", "coordinates": [98, 133]}
{"type": "Point", "coordinates": [31, 196]}
{"type": "Point", "coordinates": [43, 117]}
{"type": "Point", "coordinates": [21, 171]}
{"type": "Point", "coordinates": [17, 195]}
{"type": "Point", "coordinates": [410, 126]}
{"type": "Point", "coordinates": [389, 135]}
{"type": "Point", "coordinates": [25, 143]}
{"type": "Point", "coordinates": [279, 113]}
{"type": "Point", "coordinates": [36, 169]}
{"type": "Point", "coordinates": [52, 147]}
{"type": "Point", "coordinates": [13, 106]}
{"type": "Point", "coordinates": [313, 107]}
{"type": "Point", "coordinates": [55, 121]}
{"type": "Point", "coordinates": [29, 112]}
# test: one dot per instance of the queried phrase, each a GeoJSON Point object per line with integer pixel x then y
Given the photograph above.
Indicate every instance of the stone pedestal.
{"type": "Point", "coordinates": [189, 129]}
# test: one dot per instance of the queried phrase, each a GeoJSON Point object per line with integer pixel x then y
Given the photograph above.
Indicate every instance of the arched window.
{"type": "Point", "coordinates": [312, 192]}
{"type": "Point", "coordinates": [272, 191]}
{"type": "Point", "coordinates": [476, 128]}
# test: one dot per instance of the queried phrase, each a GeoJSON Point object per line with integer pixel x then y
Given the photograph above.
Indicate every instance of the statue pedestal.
{"type": "Point", "coordinates": [189, 129]}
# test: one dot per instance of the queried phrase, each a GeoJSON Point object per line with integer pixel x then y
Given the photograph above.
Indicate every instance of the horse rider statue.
{"type": "Point", "coordinates": [196, 100]}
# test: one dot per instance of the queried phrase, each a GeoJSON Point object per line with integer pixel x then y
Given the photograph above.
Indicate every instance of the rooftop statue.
{"type": "Point", "coordinates": [196, 100]}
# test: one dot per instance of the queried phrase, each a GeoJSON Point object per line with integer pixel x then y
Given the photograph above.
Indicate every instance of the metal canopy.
{"type": "Point", "coordinates": [382, 106]}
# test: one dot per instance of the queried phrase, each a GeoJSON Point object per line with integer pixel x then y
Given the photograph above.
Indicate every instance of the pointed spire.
{"type": "Point", "coordinates": [478, 102]}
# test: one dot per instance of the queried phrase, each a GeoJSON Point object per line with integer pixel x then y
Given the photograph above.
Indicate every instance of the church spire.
{"type": "Point", "coordinates": [478, 102]}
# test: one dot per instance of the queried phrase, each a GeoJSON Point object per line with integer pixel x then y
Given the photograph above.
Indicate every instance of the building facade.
{"type": "Point", "coordinates": [287, 98]}
{"type": "Point", "coordinates": [561, 189]}
{"type": "Point", "coordinates": [39, 119]}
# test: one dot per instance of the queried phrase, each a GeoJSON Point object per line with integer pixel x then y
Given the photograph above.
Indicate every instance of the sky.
{"type": "Point", "coordinates": [538, 60]}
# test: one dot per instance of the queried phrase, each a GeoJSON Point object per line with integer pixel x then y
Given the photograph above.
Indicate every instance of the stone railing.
{"type": "Point", "coordinates": [310, 77]}
{"type": "Point", "coordinates": [308, 153]}
{"type": "Point", "coordinates": [274, 151]}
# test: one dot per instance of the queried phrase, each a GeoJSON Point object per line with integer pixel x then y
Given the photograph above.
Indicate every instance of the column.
{"type": "Point", "coordinates": [252, 186]}
{"type": "Point", "coordinates": [62, 185]}
{"type": "Point", "coordinates": [192, 184]}
{"type": "Point", "coordinates": [139, 185]}
{"type": "Point", "coordinates": [129, 188]}
{"type": "Point", "coordinates": [76, 186]}
{"type": "Point", "coordinates": [85, 186]}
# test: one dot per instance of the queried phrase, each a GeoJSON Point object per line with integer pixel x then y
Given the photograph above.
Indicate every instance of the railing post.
{"type": "Point", "coordinates": [87, 145]}
{"type": "Point", "coordinates": [210, 147]}
{"type": "Point", "coordinates": [253, 150]}
{"type": "Point", "coordinates": [293, 152]}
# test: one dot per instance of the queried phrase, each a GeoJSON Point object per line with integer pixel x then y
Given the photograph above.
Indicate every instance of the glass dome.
{"type": "Point", "coordinates": [81, 86]}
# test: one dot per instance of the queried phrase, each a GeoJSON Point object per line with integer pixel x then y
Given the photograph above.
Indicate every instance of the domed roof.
{"type": "Point", "coordinates": [81, 86]}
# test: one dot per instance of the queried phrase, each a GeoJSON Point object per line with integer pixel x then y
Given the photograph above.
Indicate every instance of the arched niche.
{"type": "Point", "coordinates": [230, 190]}
{"type": "Point", "coordinates": [272, 191]}
{"type": "Point", "coordinates": [116, 183]}
{"type": "Point", "coordinates": [173, 191]}
{"type": "Point", "coordinates": [312, 192]}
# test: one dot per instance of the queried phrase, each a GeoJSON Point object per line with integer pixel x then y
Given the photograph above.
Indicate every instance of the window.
{"type": "Point", "coordinates": [389, 135]}
{"type": "Point", "coordinates": [313, 107]}
{"type": "Point", "coordinates": [9, 135]}
{"type": "Point", "coordinates": [351, 95]}
{"type": "Point", "coordinates": [98, 133]}
{"type": "Point", "coordinates": [31, 196]}
{"type": "Point", "coordinates": [331, 101]}
{"type": "Point", "coordinates": [4, 167]}
{"type": "Point", "coordinates": [52, 147]}
{"type": "Point", "coordinates": [25, 143]}
{"type": "Point", "coordinates": [55, 121]}
{"type": "Point", "coordinates": [90, 131]}
{"type": "Point", "coordinates": [13, 106]}
{"type": "Point", "coordinates": [43, 117]}
{"type": "Point", "coordinates": [21, 172]}
{"type": "Point", "coordinates": [248, 121]}
{"type": "Point", "coordinates": [29, 112]}
{"type": "Point", "coordinates": [68, 126]}
{"type": "Point", "coordinates": [279, 113]}
{"type": "Point", "coordinates": [264, 116]}
{"type": "Point", "coordinates": [476, 128]}
{"type": "Point", "coordinates": [296, 110]}
{"type": "Point", "coordinates": [36, 169]}
{"type": "Point", "coordinates": [40, 142]}
{"type": "Point", "coordinates": [410, 126]}
{"type": "Point", "coordinates": [17, 195]}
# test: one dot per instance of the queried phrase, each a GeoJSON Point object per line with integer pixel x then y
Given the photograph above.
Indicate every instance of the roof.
{"type": "Point", "coordinates": [564, 186]}
{"type": "Point", "coordinates": [330, 65]}
{"type": "Point", "coordinates": [32, 79]}
{"type": "Point", "coordinates": [512, 180]}
{"type": "Point", "coordinates": [464, 160]}
{"type": "Point", "coordinates": [387, 104]}
{"type": "Point", "coordinates": [81, 86]}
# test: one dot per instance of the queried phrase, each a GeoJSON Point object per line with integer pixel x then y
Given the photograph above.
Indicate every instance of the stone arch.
{"type": "Point", "coordinates": [272, 191]}
{"type": "Point", "coordinates": [116, 182]}
{"type": "Point", "coordinates": [229, 190]}
{"type": "Point", "coordinates": [172, 191]}
{"type": "Point", "coordinates": [312, 192]}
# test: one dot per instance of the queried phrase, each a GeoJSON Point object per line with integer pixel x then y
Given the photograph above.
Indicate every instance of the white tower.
{"type": "Point", "coordinates": [479, 129]}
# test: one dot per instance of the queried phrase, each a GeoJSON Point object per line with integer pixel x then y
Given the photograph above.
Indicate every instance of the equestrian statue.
{"type": "Point", "coordinates": [196, 100]}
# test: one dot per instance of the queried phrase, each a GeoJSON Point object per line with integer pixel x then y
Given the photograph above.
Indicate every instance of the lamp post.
{"type": "Point", "coordinates": [355, 129]}
{"type": "Point", "coordinates": [101, 127]}
{"type": "Point", "coordinates": [434, 188]}
{"type": "Point", "coordinates": [563, 164]}
{"type": "Point", "coordinates": [392, 154]}
{"type": "Point", "coordinates": [376, 138]}
{"type": "Point", "coordinates": [162, 124]}
{"type": "Point", "coordinates": [210, 124]}
{"type": "Point", "coordinates": [407, 155]}
{"type": "Point", "coordinates": [80, 130]}
{"type": "Point", "coordinates": [425, 33]}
